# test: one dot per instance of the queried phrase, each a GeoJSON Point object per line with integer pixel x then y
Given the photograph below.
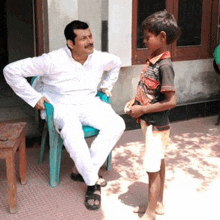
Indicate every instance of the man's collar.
{"type": "Point", "coordinates": [164, 55]}
{"type": "Point", "coordinates": [68, 51]}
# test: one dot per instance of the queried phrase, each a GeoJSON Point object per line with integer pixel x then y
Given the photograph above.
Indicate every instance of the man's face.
{"type": "Point", "coordinates": [84, 43]}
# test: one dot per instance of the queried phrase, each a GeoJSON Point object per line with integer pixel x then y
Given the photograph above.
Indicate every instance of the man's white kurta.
{"type": "Point", "coordinates": [62, 79]}
{"type": "Point", "coordinates": [71, 87]}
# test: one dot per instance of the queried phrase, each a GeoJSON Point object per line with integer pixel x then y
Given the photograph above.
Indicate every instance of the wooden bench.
{"type": "Point", "coordinates": [12, 138]}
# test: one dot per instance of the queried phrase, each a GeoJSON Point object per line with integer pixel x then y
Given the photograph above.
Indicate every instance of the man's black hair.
{"type": "Point", "coordinates": [74, 25]}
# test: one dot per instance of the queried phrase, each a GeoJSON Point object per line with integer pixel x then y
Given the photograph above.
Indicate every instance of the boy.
{"type": "Point", "coordinates": [155, 96]}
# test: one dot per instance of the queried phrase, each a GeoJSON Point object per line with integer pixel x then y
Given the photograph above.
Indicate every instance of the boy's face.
{"type": "Point", "coordinates": [154, 43]}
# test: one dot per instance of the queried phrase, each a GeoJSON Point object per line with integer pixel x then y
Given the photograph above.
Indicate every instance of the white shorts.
{"type": "Point", "coordinates": [155, 142]}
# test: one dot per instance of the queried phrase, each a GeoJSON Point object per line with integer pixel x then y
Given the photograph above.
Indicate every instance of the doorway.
{"type": "Point", "coordinates": [17, 41]}
{"type": "Point", "coordinates": [16, 36]}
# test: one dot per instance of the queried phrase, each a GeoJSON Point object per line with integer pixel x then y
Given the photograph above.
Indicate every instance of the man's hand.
{"type": "Point", "coordinates": [40, 103]}
{"type": "Point", "coordinates": [106, 91]}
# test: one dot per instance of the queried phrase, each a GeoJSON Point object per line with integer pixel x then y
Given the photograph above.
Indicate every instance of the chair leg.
{"type": "Point", "coordinates": [55, 159]}
{"type": "Point", "coordinates": [59, 156]}
{"type": "Point", "coordinates": [109, 159]}
{"type": "Point", "coordinates": [43, 141]}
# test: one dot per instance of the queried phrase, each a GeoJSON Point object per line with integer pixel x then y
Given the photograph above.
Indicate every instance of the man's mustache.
{"type": "Point", "coordinates": [89, 45]}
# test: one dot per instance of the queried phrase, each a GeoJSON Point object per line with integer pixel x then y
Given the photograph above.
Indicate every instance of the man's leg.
{"type": "Point", "coordinates": [67, 122]}
{"type": "Point", "coordinates": [111, 126]}
{"type": "Point", "coordinates": [70, 128]}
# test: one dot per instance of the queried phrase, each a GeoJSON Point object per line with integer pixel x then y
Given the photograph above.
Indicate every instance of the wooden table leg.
{"type": "Point", "coordinates": [11, 177]}
{"type": "Point", "coordinates": [22, 159]}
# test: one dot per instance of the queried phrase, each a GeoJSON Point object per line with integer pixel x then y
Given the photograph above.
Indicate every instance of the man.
{"type": "Point", "coordinates": [68, 78]}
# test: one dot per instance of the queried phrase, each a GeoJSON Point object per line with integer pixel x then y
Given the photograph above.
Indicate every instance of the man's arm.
{"type": "Point", "coordinates": [17, 72]}
{"type": "Point", "coordinates": [111, 64]}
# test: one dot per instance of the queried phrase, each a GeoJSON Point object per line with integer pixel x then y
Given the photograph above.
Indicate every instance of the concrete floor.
{"type": "Point", "coordinates": [192, 189]}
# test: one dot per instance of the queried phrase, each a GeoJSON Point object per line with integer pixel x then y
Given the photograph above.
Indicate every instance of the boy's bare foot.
{"type": "Point", "coordinates": [140, 209]}
{"type": "Point", "coordinates": [147, 217]}
{"type": "Point", "coordinates": [160, 208]}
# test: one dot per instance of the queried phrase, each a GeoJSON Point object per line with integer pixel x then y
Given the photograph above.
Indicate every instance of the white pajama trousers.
{"type": "Point", "coordinates": [68, 121]}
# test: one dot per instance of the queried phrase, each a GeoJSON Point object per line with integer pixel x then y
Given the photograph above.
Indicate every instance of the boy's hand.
{"type": "Point", "coordinates": [40, 103]}
{"type": "Point", "coordinates": [136, 111]}
{"type": "Point", "coordinates": [106, 91]}
{"type": "Point", "coordinates": [128, 105]}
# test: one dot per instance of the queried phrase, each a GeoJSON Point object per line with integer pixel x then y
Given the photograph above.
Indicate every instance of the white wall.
{"type": "Point", "coordinates": [194, 80]}
{"type": "Point", "coordinates": [90, 12]}
{"type": "Point", "coordinates": [60, 13]}
{"type": "Point", "coordinates": [119, 34]}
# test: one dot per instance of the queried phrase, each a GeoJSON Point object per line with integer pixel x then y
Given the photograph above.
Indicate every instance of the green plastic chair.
{"type": "Point", "coordinates": [56, 142]}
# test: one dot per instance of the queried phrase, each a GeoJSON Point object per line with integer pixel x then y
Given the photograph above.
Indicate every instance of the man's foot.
{"type": "Point", "coordinates": [93, 197]}
{"type": "Point", "coordinates": [101, 181]}
{"type": "Point", "coordinates": [78, 178]}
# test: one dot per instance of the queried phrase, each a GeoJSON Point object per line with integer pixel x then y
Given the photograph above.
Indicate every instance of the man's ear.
{"type": "Point", "coordinates": [163, 36]}
{"type": "Point", "coordinates": [70, 44]}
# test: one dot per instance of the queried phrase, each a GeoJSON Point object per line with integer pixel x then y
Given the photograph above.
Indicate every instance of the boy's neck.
{"type": "Point", "coordinates": [159, 51]}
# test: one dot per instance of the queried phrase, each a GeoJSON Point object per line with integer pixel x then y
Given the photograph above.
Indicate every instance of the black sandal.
{"type": "Point", "coordinates": [78, 178]}
{"type": "Point", "coordinates": [90, 195]}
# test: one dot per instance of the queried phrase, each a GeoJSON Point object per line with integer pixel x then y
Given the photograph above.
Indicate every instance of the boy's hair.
{"type": "Point", "coordinates": [74, 25]}
{"type": "Point", "coordinates": [162, 21]}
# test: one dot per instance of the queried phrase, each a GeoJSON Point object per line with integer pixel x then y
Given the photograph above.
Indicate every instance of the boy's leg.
{"type": "Point", "coordinates": [155, 167]}
{"type": "Point", "coordinates": [160, 206]}
{"type": "Point", "coordinates": [153, 195]}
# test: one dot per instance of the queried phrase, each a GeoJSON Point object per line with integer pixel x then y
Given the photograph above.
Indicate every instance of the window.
{"type": "Point", "coordinates": [197, 20]}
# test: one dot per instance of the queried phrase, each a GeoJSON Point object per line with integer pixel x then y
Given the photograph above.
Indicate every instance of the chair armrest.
{"type": "Point", "coordinates": [33, 79]}
{"type": "Point", "coordinates": [104, 97]}
{"type": "Point", "coordinates": [49, 118]}
{"type": "Point", "coordinates": [49, 109]}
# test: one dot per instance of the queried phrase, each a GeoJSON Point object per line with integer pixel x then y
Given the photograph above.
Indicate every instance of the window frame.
{"type": "Point", "coordinates": [208, 38]}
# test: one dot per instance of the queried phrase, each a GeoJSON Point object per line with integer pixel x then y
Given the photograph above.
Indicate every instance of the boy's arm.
{"type": "Point", "coordinates": [168, 103]}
